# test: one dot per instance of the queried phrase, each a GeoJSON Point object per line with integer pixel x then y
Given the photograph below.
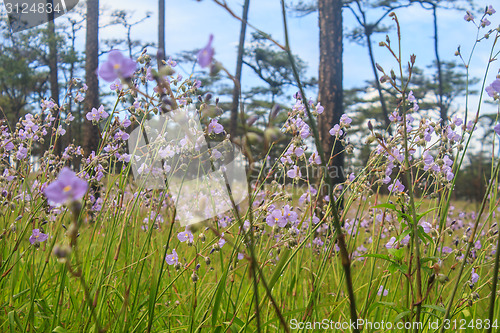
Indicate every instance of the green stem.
{"type": "Point", "coordinates": [495, 282]}
{"type": "Point", "coordinates": [469, 247]}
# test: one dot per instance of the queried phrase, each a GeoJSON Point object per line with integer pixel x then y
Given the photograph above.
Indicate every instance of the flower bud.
{"type": "Point", "coordinates": [442, 278]}
{"type": "Point", "coordinates": [61, 252]}
{"type": "Point", "coordinates": [215, 68]}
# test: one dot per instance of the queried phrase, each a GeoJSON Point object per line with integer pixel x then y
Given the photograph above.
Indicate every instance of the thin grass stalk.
{"type": "Point", "coordinates": [469, 247]}
{"type": "Point", "coordinates": [491, 310]}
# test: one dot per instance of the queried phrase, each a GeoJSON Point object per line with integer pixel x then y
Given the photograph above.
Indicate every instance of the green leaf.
{"type": "Point", "coordinates": [403, 234]}
{"type": "Point", "coordinates": [407, 217]}
{"type": "Point", "coordinates": [397, 253]}
{"type": "Point", "coordinates": [59, 329]}
{"type": "Point", "coordinates": [393, 268]}
{"type": "Point", "coordinates": [425, 213]}
{"type": "Point", "coordinates": [422, 235]}
{"type": "Point", "coordinates": [401, 315]}
{"type": "Point", "coordinates": [14, 322]}
{"type": "Point", "coordinates": [389, 305]}
{"type": "Point", "coordinates": [279, 268]}
{"type": "Point", "coordinates": [434, 307]}
{"type": "Point", "coordinates": [380, 256]}
{"type": "Point", "coordinates": [236, 324]}
{"type": "Point", "coordinates": [218, 297]}
{"type": "Point", "coordinates": [387, 205]}
{"type": "Point", "coordinates": [430, 258]}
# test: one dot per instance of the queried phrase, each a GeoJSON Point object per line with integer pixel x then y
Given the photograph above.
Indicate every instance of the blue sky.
{"type": "Point", "coordinates": [189, 23]}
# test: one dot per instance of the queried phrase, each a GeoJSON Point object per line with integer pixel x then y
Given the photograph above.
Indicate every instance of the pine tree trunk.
{"type": "Point", "coordinates": [161, 32]}
{"type": "Point", "coordinates": [53, 77]}
{"type": "Point", "coordinates": [91, 132]}
{"type": "Point", "coordinates": [330, 81]}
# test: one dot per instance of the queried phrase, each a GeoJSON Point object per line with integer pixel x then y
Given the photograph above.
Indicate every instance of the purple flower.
{"type": "Point", "coordinates": [412, 99]}
{"type": "Point", "coordinates": [345, 120]}
{"type": "Point", "coordinates": [79, 98]}
{"type": "Point", "coordinates": [9, 146]}
{"type": "Point", "coordinates": [215, 127]}
{"type": "Point", "coordinates": [60, 131]}
{"type": "Point", "coordinates": [474, 277]}
{"type": "Point", "coordinates": [390, 243]}
{"type": "Point", "coordinates": [490, 10]}
{"type": "Point", "coordinates": [318, 242]}
{"type": "Point", "coordinates": [294, 172]}
{"type": "Point", "coordinates": [216, 154]}
{"type": "Point", "coordinates": [116, 85]}
{"type": "Point", "coordinates": [315, 158]}
{"type": "Point", "coordinates": [381, 291]}
{"type": "Point", "coordinates": [305, 131]}
{"type": "Point", "coordinates": [22, 153]}
{"type": "Point", "coordinates": [394, 116]}
{"type": "Point", "coordinates": [485, 22]}
{"type": "Point", "coordinates": [222, 241]}
{"type": "Point", "coordinates": [469, 17]}
{"type": "Point", "coordinates": [121, 135]}
{"type": "Point", "coordinates": [149, 74]}
{"type": "Point", "coordinates": [172, 259]}
{"type": "Point", "coordinates": [405, 240]}
{"type": "Point", "coordinates": [116, 67]}
{"type": "Point", "coordinates": [447, 249]}
{"type": "Point", "coordinates": [241, 256]}
{"type": "Point", "coordinates": [206, 54]}
{"type": "Point", "coordinates": [97, 114]}
{"type": "Point", "coordinates": [67, 187]}
{"type": "Point", "coordinates": [396, 186]}
{"type": "Point", "coordinates": [186, 235]}
{"type": "Point", "coordinates": [336, 131]}
{"type": "Point", "coordinates": [126, 123]}
{"type": "Point", "coordinates": [427, 227]}
{"type": "Point", "coordinates": [494, 88]}
{"type": "Point", "coordinates": [428, 159]}
{"type": "Point", "coordinates": [38, 237]}
{"type": "Point", "coordinates": [457, 121]}
{"type": "Point", "coordinates": [319, 108]}
{"type": "Point", "coordinates": [289, 214]}
{"type": "Point", "coordinates": [497, 129]}
{"type": "Point", "coordinates": [298, 151]}
{"type": "Point", "coordinates": [276, 217]}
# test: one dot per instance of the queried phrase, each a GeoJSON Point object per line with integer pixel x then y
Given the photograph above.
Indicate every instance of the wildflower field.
{"type": "Point", "coordinates": [174, 224]}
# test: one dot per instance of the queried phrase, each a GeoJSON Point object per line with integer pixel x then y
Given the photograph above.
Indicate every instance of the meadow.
{"type": "Point", "coordinates": [109, 247]}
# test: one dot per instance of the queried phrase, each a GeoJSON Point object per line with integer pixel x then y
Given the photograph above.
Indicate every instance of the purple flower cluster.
{"type": "Point", "coordinates": [281, 217]}
{"type": "Point", "coordinates": [97, 114]}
